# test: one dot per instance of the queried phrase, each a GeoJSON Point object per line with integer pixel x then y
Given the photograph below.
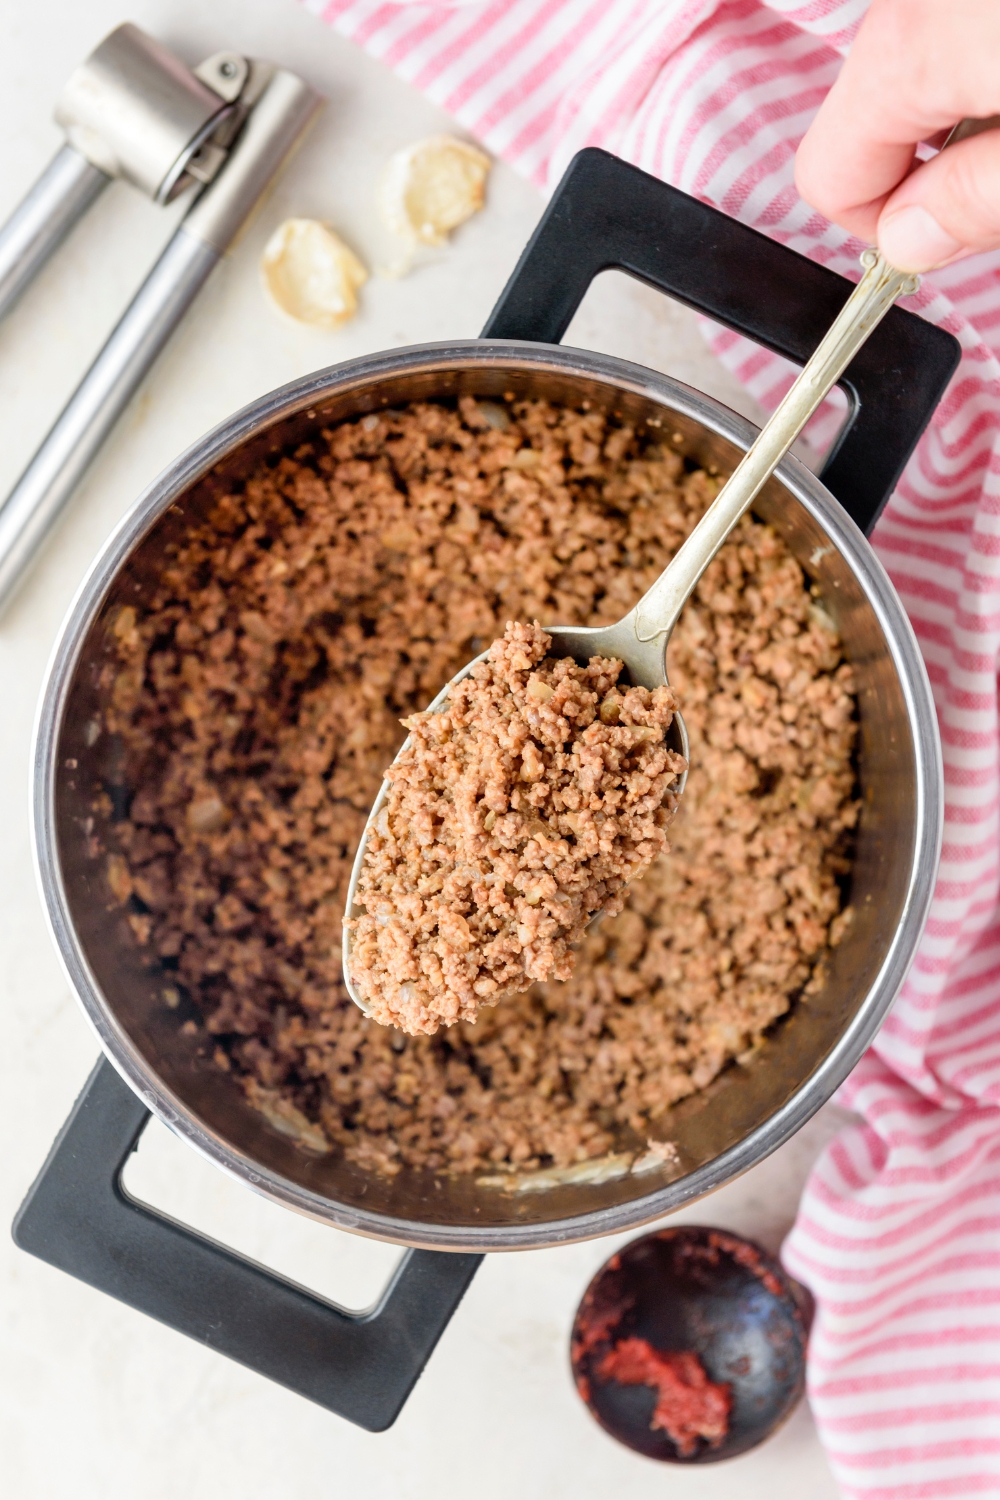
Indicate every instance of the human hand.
{"type": "Point", "coordinates": [916, 68]}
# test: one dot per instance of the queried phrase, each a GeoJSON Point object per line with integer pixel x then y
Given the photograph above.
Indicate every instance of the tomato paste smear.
{"type": "Point", "coordinates": [689, 1406]}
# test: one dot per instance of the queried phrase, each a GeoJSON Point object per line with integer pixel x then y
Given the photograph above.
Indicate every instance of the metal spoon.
{"type": "Point", "coordinates": [640, 639]}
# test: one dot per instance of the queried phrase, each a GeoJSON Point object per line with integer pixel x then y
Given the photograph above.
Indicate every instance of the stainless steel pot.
{"type": "Point", "coordinates": [604, 214]}
{"type": "Point", "coordinates": [721, 1132]}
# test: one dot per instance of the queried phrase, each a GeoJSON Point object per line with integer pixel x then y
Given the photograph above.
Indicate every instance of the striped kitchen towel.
{"type": "Point", "coordinates": [898, 1234]}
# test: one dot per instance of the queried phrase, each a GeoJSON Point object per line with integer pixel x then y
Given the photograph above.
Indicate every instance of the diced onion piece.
{"type": "Point", "coordinates": [311, 274]}
{"type": "Point", "coordinates": [431, 187]}
{"type": "Point", "coordinates": [539, 690]}
{"type": "Point", "coordinates": [207, 815]}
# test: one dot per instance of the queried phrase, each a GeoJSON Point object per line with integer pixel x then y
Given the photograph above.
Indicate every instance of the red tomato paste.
{"type": "Point", "coordinates": [688, 1404]}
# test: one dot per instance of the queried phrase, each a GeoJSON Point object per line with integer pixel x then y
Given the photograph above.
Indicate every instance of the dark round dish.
{"type": "Point", "coordinates": [705, 1291]}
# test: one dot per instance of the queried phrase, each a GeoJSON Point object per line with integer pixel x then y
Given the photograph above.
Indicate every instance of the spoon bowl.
{"type": "Point", "coordinates": [581, 642]}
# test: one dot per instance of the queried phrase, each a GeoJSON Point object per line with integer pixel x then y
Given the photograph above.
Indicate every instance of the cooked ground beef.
{"type": "Point", "coordinates": [259, 699]}
{"type": "Point", "coordinates": [514, 815]}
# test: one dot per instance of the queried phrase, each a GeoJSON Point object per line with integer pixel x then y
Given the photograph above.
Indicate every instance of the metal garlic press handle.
{"type": "Point", "coordinates": [281, 106]}
{"type": "Point", "coordinates": [63, 193]}
{"type": "Point", "coordinates": [71, 445]}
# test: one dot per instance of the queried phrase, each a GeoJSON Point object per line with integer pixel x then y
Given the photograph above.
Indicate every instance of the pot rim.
{"type": "Point", "coordinates": [516, 355]}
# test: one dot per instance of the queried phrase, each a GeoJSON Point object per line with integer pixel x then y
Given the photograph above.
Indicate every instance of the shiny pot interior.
{"type": "Point", "coordinates": [720, 1132]}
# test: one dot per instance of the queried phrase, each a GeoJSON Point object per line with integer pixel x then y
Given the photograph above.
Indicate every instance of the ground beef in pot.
{"type": "Point", "coordinates": [259, 698]}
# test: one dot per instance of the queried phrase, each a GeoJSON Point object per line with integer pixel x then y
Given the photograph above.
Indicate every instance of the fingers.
{"type": "Point", "coordinates": [848, 186]}
{"type": "Point", "coordinates": [948, 208]}
{"type": "Point", "coordinates": [915, 69]}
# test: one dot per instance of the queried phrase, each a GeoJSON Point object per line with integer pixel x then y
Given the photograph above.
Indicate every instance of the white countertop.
{"type": "Point", "coordinates": [98, 1401]}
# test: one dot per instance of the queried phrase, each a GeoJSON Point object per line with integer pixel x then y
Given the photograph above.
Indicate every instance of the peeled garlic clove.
{"type": "Point", "coordinates": [431, 187]}
{"type": "Point", "coordinates": [311, 274]}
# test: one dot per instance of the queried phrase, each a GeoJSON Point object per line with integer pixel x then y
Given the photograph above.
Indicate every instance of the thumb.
{"type": "Point", "coordinates": [949, 207]}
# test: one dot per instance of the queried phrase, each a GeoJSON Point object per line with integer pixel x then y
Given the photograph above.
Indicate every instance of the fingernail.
{"type": "Point", "coordinates": [911, 239]}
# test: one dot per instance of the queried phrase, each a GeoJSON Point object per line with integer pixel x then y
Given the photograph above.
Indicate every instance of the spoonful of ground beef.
{"type": "Point", "coordinates": [510, 818]}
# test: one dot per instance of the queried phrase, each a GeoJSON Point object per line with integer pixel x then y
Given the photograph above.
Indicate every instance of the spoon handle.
{"type": "Point", "coordinates": [657, 611]}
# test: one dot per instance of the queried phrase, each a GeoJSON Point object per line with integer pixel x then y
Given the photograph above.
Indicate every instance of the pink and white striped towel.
{"type": "Point", "coordinates": [898, 1234]}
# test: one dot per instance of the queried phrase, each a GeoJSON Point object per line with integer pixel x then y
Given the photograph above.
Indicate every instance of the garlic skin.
{"type": "Point", "coordinates": [429, 188]}
{"type": "Point", "coordinates": [310, 274]}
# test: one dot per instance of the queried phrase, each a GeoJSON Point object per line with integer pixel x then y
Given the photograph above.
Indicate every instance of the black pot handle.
{"type": "Point", "coordinates": [79, 1218]}
{"type": "Point", "coordinates": [608, 215]}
